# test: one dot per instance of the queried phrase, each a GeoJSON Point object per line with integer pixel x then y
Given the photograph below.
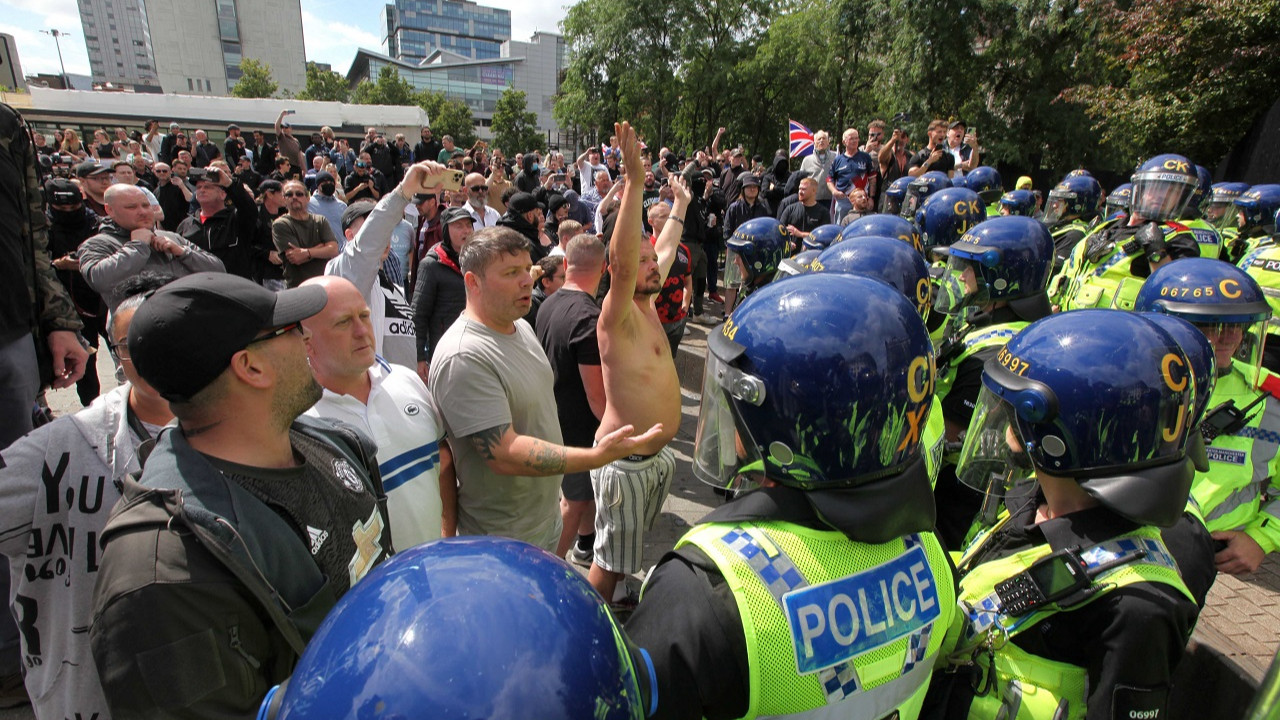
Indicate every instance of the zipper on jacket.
{"type": "Point", "coordinates": [236, 645]}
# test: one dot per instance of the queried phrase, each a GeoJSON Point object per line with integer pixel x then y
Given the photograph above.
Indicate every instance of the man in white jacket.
{"type": "Point", "coordinates": [368, 229]}
{"type": "Point", "coordinates": [57, 487]}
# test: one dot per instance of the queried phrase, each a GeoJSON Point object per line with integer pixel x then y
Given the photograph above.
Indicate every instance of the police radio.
{"type": "Point", "coordinates": [1052, 578]}
{"type": "Point", "coordinates": [1227, 419]}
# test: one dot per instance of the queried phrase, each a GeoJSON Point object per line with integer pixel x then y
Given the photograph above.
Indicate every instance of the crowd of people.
{"type": "Point", "coordinates": [941, 415]}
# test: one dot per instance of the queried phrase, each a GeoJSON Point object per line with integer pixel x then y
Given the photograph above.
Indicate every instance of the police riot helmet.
{"type": "Point", "coordinates": [1098, 396]}
{"type": "Point", "coordinates": [1074, 197]}
{"type": "Point", "coordinates": [1018, 202]}
{"type": "Point", "coordinates": [1118, 201]}
{"type": "Point", "coordinates": [1204, 186]}
{"type": "Point", "coordinates": [1079, 172]}
{"type": "Point", "coordinates": [1162, 187]}
{"type": "Point", "coordinates": [1220, 210]}
{"type": "Point", "coordinates": [948, 214]}
{"type": "Point", "coordinates": [754, 251]}
{"type": "Point", "coordinates": [1003, 259]}
{"type": "Point", "coordinates": [465, 628]}
{"type": "Point", "coordinates": [803, 391]}
{"type": "Point", "coordinates": [885, 259]}
{"type": "Point", "coordinates": [1224, 301]}
{"type": "Point", "coordinates": [821, 237]}
{"type": "Point", "coordinates": [919, 190]}
{"type": "Point", "coordinates": [797, 264]}
{"type": "Point", "coordinates": [1258, 206]}
{"type": "Point", "coordinates": [1204, 373]}
{"type": "Point", "coordinates": [895, 194]}
{"type": "Point", "coordinates": [985, 180]}
{"type": "Point", "coordinates": [885, 226]}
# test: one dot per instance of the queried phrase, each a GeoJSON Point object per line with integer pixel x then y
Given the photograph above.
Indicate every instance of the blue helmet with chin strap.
{"type": "Point", "coordinates": [1003, 259]}
{"type": "Point", "coordinates": [1076, 196]}
{"type": "Point", "coordinates": [1259, 205]}
{"type": "Point", "coordinates": [1118, 201]}
{"type": "Point", "coordinates": [1162, 187]}
{"type": "Point", "coordinates": [1101, 397]}
{"type": "Point", "coordinates": [947, 215]}
{"type": "Point", "coordinates": [466, 628]}
{"type": "Point", "coordinates": [885, 226]}
{"type": "Point", "coordinates": [985, 181]}
{"type": "Point", "coordinates": [1019, 202]}
{"type": "Point", "coordinates": [798, 264]}
{"type": "Point", "coordinates": [919, 190]}
{"type": "Point", "coordinates": [1204, 290]}
{"type": "Point", "coordinates": [885, 259]}
{"type": "Point", "coordinates": [895, 194]}
{"type": "Point", "coordinates": [821, 237]}
{"type": "Point", "coordinates": [758, 246]}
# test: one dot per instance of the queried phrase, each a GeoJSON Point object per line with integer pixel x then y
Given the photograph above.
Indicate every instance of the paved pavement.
{"type": "Point", "coordinates": [1234, 643]}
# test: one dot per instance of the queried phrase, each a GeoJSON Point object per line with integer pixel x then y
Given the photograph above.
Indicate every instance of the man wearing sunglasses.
{"type": "Point", "coordinates": [477, 201]}
{"type": "Point", "coordinates": [304, 239]}
{"type": "Point", "coordinates": [248, 522]}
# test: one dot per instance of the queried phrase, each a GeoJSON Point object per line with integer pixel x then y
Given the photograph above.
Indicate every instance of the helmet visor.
{"type": "Point", "coordinates": [1056, 210]}
{"type": "Point", "coordinates": [892, 205]}
{"type": "Point", "coordinates": [911, 203]}
{"type": "Point", "coordinates": [994, 458]}
{"type": "Point", "coordinates": [724, 455]}
{"type": "Point", "coordinates": [1243, 342]}
{"type": "Point", "coordinates": [1221, 214]}
{"type": "Point", "coordinates": [1160, 196]}
{"type": "Point", "coordinates": [735, 271]}
{"type": "Point", "coordinates": [960, 286]}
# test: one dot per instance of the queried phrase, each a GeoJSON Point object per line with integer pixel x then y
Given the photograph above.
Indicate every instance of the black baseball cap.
{"type": "Point", "coordinates": [355, 211]}
{"type": "Point", "coordinates": [185, 334]}
{"type": "Point", "coordinates": [455, 214]}
{"type": "Point", "coordinates": [523, 202]}
{"type": "Point", "coordinates": [90, 168]}
{"type": "Point", "coordinates": [61, 191]}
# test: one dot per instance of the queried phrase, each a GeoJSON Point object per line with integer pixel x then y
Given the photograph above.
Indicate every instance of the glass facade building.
{"type": "Point", "coordinates": [415, 28]}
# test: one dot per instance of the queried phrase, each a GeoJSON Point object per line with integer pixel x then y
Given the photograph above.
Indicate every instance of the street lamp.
{"type": "Point", "coordinates": [57, 34]}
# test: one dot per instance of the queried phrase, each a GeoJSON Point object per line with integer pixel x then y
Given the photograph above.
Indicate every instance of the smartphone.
{"type": "Point", "coordinates": [453, 180]}
{"type": "Point", "coordinates": [290, 112]}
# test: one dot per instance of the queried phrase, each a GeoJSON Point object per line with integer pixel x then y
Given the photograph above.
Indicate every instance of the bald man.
{"type": "Point", "coordinates": [477, 196]}
{"type": "Point", "coordinates": [391, 404]}
{"type": "Point", "coordinates": [126, 245]}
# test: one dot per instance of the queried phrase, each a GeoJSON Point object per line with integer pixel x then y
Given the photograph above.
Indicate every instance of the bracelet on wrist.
{"type": "Point", "coordinates": [676, 219]}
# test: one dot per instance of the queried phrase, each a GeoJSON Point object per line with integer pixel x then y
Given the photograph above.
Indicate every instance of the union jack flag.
{"type": "Point", "coordinates": [801, 140]}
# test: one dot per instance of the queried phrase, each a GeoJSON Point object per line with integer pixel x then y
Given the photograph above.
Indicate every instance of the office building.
{"type": "Point", "coordinates": [416, 28]}
{"type": "Point", "coordinates": [177, 46]}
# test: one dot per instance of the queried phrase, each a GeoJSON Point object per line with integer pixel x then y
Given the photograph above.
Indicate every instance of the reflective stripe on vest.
{"type": "Point", "coordinates": [975, 341]}
{"type": "Point", "coordinates": [1241, 466]}
{"type": "Point", "coordinates": [790, 612]}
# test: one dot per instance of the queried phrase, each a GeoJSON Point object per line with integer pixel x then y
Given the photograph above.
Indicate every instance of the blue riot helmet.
{"type": "Point", "coordinates": [1162, 187]}
{"type": "Point", "coordinates": [947, 215]}
{"type": "Point", "coordinates": [919, 190]}
{"type": "Point", "coordinates": [1220, 211]}
{"type": "Point", "coordinates": [1258, 206]}
{"type": "Point", "coordinates": [1005, 259]}
{"type": "Point", "coordinates": [821, 237]}
{"type": "Point", "coordinates": [1204, 186]}
{"type": "Point", "coordinates": [885, 259]}
{"type": "Point", "coordinates": [797, 264]}
{"type": "Point", "coordinates": [885, 226]}
{"type": "Point", "coordinates": [468, 628]}
{"type": "Point", "coordinates": [1018, 202]}
{"type": "Point", "coordinates": [895, 194]}
{"type": "Point", "coordinates": [753, 253]}
{"type": "Point", "coordinates": [1204, 370]}
{"type": "Point", "coordinates": [985, 181]}
{"type": "Point", "coordinates": [802, 389]}
{"type": "Point", "coordinates": [1074, 197]}
{"type": "Point", "coordinates": [1118, 201]}
{"type": "Point", "coordinates": [1079, 172]}
{"type": "Point", "coordinates": [1224, 301]}
{"type": "Point", "coordinates": [1101, 397]}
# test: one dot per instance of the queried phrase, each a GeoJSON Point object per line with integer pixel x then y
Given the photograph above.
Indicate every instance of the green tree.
{"type": "Point", "coordinates": [324, 85]}
{"type": "Point", "coordinates": [448, 117]}
{"type": "Point", "coordinates": [388, 89]}
{"type": "Point", "coordinates": [255, 80]}
{"type": "Point", "coordinates": [515, 127]}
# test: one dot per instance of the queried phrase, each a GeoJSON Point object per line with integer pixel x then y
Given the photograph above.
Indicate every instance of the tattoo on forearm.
{"type": "Point", "coordinates": [546, 459]}
{"type": "Point", "coordinates": [486, 440]}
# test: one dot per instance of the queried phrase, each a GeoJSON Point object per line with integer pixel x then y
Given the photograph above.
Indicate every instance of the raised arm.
{"type": "Point", "coordinates": [624, 248]}
{"type": "Point", "coordinates": [669, 240]}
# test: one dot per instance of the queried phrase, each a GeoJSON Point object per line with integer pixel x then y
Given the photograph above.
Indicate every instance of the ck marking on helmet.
{"type": "Point", "coordinates": [1011, 362]}
{"type": "Point", "coordinates": [1178, 165]}
{"type": "Point", "coordinates": [841, 619]}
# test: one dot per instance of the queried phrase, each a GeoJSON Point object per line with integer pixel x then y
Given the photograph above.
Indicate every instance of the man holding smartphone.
{"type": "Point", "coordinates": [224, 230]}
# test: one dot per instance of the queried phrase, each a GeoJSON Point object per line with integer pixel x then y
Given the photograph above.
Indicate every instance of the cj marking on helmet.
{"type": "Point", "coordinates": [1174, 371]}
{"type": "Point", "coordinates": [838, 620]}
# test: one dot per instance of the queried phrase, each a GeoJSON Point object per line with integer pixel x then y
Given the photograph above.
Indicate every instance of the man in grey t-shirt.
{"type": "Point", "coordinates": [493, 385]}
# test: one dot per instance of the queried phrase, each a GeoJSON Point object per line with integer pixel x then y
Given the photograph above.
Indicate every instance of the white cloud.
{"type": "Point", "coordinates": [36, 50]}
{"type": "Point", "coordinates": [334, 41]}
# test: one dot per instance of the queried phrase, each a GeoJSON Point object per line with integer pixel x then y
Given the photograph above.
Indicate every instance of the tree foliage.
{"type": "Point", "coordinates": [325, 85]}
{"type": "Point", "coordinates": [255, 80]}
{"type": "Point", "coordinates": [447, 117]}
{"type": "Point", "coordinates": [1047, 85]}
{"type": "Point", "coordinates": [515, 127]}
{"type": "Point", "coordinates": [388, 89]}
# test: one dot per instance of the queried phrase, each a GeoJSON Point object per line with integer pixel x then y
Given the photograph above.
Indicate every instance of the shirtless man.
{"type": "Point", "coordinates": [640, 384]}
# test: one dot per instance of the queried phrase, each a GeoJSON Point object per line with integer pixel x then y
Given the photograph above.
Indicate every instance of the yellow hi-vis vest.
{"type": "Point", "coordinates": [1026, 686]}
{"type": "Point", "coordinates": [834, 628]}
{"type": "Point", "coordinates": [933, 441]}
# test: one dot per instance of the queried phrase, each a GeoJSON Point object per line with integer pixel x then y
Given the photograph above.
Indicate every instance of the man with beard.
{"type": "Point", "coordinates": [304, 240]}
{"type": "Point", "coordinates": [477, 194]}
{"type": "Point", "coordinates": [248, 522]}
{"type": "Point", "coordinates": [640, 385]}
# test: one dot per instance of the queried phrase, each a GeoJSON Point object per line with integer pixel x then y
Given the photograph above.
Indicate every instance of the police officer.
{"type": "Point", "coordinates": [1256, 219]}
{"type": "Point", "coordinates": [1263, 265]}
{"type": "Point", "coordinates": [996, 276]}
{"type": "Point", "coordinates": [894, 195]}
{"type": "Point", "coordinates": [752, 256]}
{"type": "Point", "coordinates": [824, 590]}
{"type": "Point", "coordinates": [919, 190]}
{"type": "Point", "coordinates": [943, 219]}
{"type": "Point", "coordinates": [1018, 202]}
{"type": "Point", "coordinates": [1117, 204]}
{"type": "Point", "coordinates": [1073, 204]}
{"type": "Point", "coordinates": [1243, 418]}
{"type": "Point", "coordinates": [882, 225]}
{"type": "Point", "coordinates": [1107, 268]}
{"type": "Point", "coordinates": [985, 181]}
{"type": "Point", "coordinates": [1220, 212]}
{"type": "Point", "coordinates": [477, 627]}
{"type": "Point", "coordinates": [1206, 235]}
{"type": "Point", "coordinates": [1074, 606]}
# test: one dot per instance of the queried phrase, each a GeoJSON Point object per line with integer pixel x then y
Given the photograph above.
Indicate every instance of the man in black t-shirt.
{"type": "Point", "coordinates": [802, 216]}
{"type": "Point", "coordinates": [935, 155]}
{"type": "Point", "coordinates": [567, 332]}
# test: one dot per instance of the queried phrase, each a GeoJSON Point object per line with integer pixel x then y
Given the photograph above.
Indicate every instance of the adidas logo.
{"type": "Point", "coordinates": [318, 537]}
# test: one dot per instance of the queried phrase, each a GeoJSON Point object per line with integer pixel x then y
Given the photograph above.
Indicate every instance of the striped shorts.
{"type": "Point", "coordinates": [629, 495]}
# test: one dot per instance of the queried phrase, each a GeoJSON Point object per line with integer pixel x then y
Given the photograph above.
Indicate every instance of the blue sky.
{"type": "Point", "coordinates": [333, 29]}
